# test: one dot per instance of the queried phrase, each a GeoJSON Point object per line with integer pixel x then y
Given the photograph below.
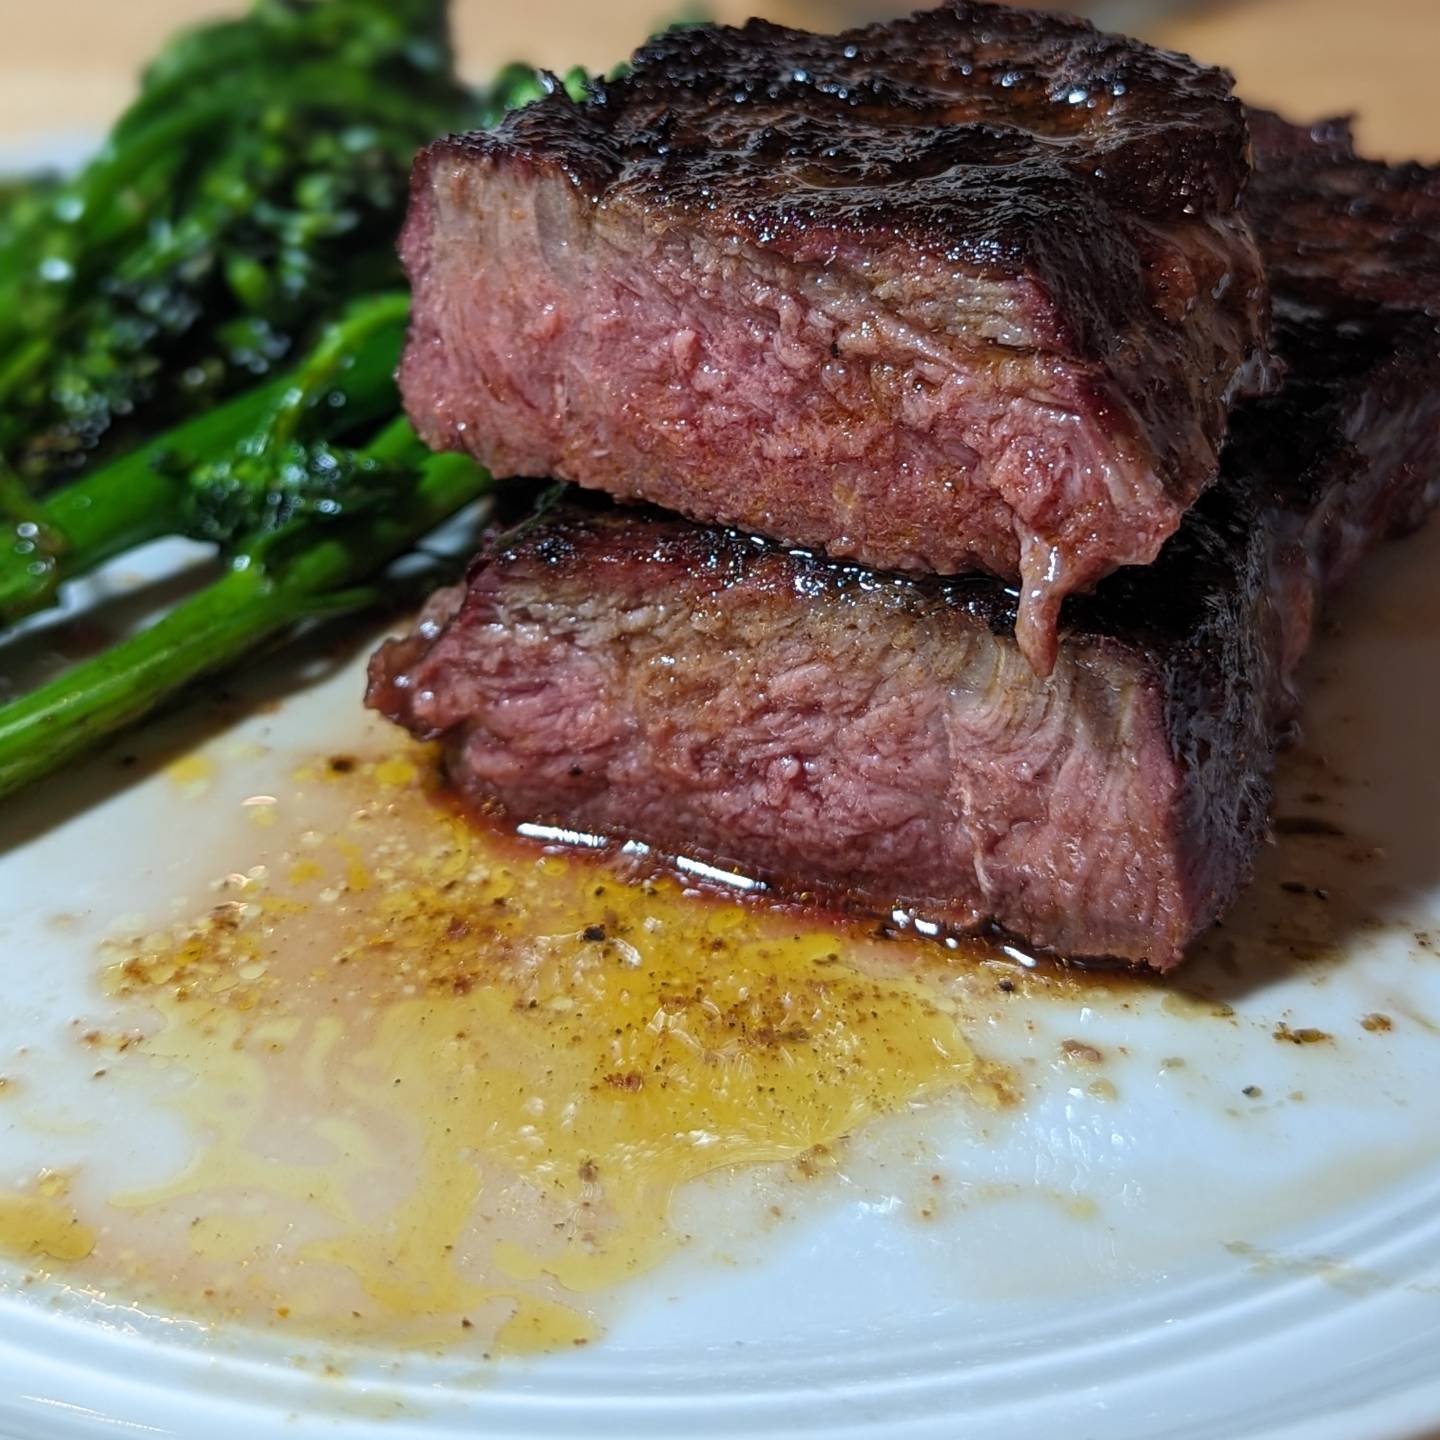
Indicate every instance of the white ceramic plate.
{"type": "Point", "coordinates": [1243, 1245]}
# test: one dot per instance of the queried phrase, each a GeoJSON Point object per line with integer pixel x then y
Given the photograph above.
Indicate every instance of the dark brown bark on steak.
{"type": "Point", "coordinates": [965, 290]}
{"type": "Point", "coordinates": [879, 738]}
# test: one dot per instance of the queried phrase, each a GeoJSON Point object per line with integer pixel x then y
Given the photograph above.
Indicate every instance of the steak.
{"type": "Point", "coordinates": [879, 738]}
{"type": "Point", "coordinates": [964, 290]}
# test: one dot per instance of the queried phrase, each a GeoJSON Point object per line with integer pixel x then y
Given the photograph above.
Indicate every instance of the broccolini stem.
{"type": "Point", "coordinates": [259, 598]}
{"type": "Point", "coordinates": [121, 505]}
{"type": "Point", "coordinates": [141, 497]}
{"type": "Point", "coordinates": [385, 314]}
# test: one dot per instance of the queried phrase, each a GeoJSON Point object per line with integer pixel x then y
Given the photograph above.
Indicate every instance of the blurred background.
{"type": "Point", "coordinates": [67, 66]}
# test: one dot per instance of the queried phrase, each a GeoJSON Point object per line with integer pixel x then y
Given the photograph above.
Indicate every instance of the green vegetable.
{"type": "Point", "coordinates": [247, 199]}
{"type": "Point", "coordinates": [231, 472]}
{"type": "Point", "coordinates": [251, 189]}
{"type": "Point", "coordinates": [519, 84]}
{"type": "Point", "coordinates": [302, 569]}
{"type": "Point", "coordinates": [22, 195]}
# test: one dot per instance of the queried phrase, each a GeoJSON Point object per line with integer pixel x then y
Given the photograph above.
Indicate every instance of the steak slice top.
{"type": "Point", "coordinates": [964, 290]}
{"type": "Point", "coordinates": [877, 738]}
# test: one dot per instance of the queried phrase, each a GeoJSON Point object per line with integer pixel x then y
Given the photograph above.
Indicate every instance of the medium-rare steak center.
{"type": "Point", "coordinates": [965, 290]}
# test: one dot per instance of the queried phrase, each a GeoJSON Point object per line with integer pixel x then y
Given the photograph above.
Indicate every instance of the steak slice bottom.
{"type": "Point", "coordinates": [964, 290]}
{"type": "Point", "coordinates": [879, 738]}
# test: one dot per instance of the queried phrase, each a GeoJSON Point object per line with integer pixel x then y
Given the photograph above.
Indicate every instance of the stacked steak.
{"type": "Point", "coordinates": [968, 290]}
{"type": "Point", "coordinates": [1023, 240]}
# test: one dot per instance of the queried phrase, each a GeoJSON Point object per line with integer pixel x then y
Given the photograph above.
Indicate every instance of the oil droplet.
{"type": "Point", "coordinates": [537, 1326]}
{"type": "Point", "coordinates": [191, 773]}
{"type": "Point", "coordinates": [1186, 1006]}
{"type": "Point", "coordinates": [40, 1227]}
{"type": "Point", "coordinates": [395, 771]}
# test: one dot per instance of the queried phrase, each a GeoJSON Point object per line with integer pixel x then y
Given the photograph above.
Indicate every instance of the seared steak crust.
{"type": "Point", "coordinates": [968, 289]}
{"type": "Point", "coordinates": [877, 737]}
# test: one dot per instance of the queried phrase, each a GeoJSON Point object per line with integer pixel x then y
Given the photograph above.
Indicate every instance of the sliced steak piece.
{"type": "Point", "coordinates": [965, 290]}
{"type": "Point", "coordinates": [879, 738]}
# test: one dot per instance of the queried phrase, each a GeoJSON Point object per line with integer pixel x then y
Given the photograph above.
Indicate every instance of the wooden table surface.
{"type": "Point", "coordinates": [69, 65]}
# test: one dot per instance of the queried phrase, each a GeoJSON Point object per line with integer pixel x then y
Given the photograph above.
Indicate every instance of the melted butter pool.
{"type": "Point", "coordinates": [445, 1087]}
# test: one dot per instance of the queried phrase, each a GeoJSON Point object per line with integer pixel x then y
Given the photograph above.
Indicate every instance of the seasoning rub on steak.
{"type": "Point", "coordinates": [879, 738]}
{"type": "Point", "coordinates": [964, 290]}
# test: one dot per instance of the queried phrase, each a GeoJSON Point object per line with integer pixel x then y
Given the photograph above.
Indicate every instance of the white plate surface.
{"type": "Point", "coordinates": [1182, 1259]}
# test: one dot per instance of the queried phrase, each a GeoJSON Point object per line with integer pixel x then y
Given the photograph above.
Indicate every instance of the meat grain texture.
{"type": "Point", "coordinates": [879, 739]}
{"type": "Point", "coordinates": [965, 290]}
